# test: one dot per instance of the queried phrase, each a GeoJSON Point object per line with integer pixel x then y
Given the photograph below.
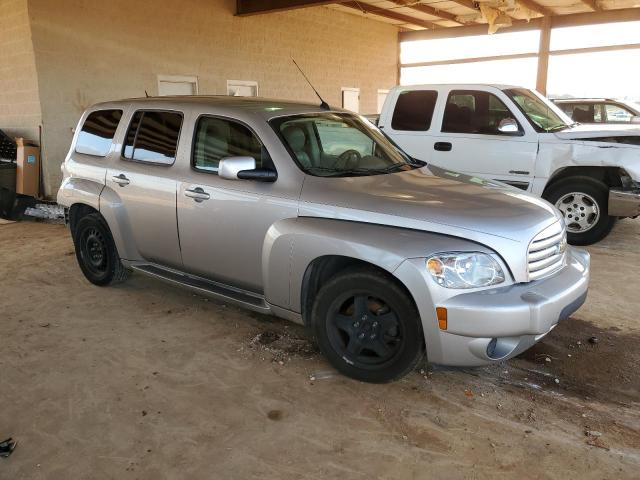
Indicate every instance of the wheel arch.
{"type": "Point", "coordinates": [323, 268]}
{"type": "Point", "coordinates": [610, 176]}
{"type": "Point", "coordinates": [77, 211]}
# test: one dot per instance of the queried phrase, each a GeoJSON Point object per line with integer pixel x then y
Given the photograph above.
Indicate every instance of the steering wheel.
{"type": "Point", "coordinates": [347, 159]}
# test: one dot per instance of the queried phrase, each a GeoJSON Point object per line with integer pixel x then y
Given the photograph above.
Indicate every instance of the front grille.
{"type": "Point", "coordinates": [547, 251]}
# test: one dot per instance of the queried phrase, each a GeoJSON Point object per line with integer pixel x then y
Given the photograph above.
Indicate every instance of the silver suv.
{"type": "Point", "coordinates": [315, 216]}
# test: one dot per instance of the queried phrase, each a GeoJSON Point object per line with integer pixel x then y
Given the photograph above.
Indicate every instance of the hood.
{"type": "Point", "coordinates": [431, 199]}
{"type": "Point", "coordinates": [580, 132]}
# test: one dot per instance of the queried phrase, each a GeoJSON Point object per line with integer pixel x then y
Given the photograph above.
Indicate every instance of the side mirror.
{"type": "Point", "coordinates": [508, 125]}
{"type": "Point", "coordinates": [244, 168]}
{"type": "Point", "coordinates": [635, 120]}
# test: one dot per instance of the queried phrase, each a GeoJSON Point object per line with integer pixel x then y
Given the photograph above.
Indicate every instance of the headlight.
{"type": "Point", "coordinates": [465, 270]}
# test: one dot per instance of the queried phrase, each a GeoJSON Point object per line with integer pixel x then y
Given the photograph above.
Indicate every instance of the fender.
{"type": "Point", "coordinates": [555, 156]}
{"type": "Point", "coordinates": [79, 190]}
{"type": "Point", "coordinates": [291, 245]}
{"type": "Point", "coordinates": [114, 212]}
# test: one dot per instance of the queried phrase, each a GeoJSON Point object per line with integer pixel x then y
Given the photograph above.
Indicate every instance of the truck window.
{"type": "Point", "coordinates": [617, 114]}
{"type": "Point", "coordinates": [218, 138]}
{"type": "Point", "coordinates": [153, 137]}
{"type": "Point", "coordinates": [96, 136]}
{"type": "Point", "coordinates": [414, 111]}
{"type": "Point", "coordinates": [474, 112]}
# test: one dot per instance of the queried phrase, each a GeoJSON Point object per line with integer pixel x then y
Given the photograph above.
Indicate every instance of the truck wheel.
{"type": "Point", "coordinates": [583, 201]}
{"type": "Point", "coordinates": [96, 252]}
{"type": "Point", "coordinates": [367, 326]}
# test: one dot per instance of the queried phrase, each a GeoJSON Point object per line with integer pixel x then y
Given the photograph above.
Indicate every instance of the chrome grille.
{"type": "Point", "coordinates": [547, 251]}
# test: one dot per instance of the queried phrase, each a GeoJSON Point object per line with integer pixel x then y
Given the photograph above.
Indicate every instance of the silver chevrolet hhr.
{"type": "Point", "coordinates": [313, 215]}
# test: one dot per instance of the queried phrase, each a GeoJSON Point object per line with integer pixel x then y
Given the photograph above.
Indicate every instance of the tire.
{"type": "Point", "coordinates": [96, 252]}
{"type": "Point", "coordinates": [585, 199]}
{"type": "Point", "coordinates": [367, 326]}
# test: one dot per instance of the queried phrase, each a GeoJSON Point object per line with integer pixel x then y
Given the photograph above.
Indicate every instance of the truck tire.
{"type": "Point", "coordinates": [367, 326]}
{"type": "Point", "coordinates": [96, 252]}
{"type": "Point", "coordinates": [583, 201]}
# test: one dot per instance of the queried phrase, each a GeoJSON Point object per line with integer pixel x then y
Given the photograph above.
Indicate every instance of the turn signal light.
{"type": "Point", "coordinates": [441, 313]}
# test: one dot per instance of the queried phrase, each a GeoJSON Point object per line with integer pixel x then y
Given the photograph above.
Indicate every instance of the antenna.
{"type": "Point", "coordinates": [324, 105]}
{"type": "Point", "coordinates": [146, 94]}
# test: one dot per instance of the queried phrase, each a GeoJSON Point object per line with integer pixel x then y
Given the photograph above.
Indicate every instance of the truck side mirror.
{"type": "Point", "coordinates": [244, 168]}
{"type": "Point", "coordinates": [508, 125]}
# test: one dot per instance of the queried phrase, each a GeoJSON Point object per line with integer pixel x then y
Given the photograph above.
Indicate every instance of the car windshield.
{"type": "Point", "coordinates": [542, 114]}
{"type": "Point", "coordinates": [340, 145]}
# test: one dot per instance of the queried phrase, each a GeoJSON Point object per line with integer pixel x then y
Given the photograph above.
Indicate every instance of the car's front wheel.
{"type": "Point", "coordinates": [96, 251]}
{"type": "Point", "coordinates": [583, 201]}
{"type": "Point", "coordinates": [367, 326]}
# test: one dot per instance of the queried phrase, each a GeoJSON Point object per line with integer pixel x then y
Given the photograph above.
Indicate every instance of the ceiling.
{"type": "Point", "coordinates": [436, 14]}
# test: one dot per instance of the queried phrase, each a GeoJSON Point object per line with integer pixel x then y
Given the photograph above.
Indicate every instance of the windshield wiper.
{"type": "Point", "coordinates": [336, 172]}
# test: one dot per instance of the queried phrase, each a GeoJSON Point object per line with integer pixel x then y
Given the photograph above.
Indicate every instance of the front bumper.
{"type": "Point", "coordinates": [496, 324]}
{"type": "Point", "coordinates": [624, 203]}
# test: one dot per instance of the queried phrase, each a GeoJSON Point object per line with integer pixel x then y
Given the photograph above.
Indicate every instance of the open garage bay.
{"type": "Point", "coordinates": [149, 381]}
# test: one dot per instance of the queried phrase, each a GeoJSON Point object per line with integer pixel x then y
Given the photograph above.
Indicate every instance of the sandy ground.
{"type": "Point", "coordinates": [148, 381]}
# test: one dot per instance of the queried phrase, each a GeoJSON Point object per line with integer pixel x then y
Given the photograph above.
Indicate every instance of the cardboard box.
{"type": "Point", "coordinates": [28, 168]}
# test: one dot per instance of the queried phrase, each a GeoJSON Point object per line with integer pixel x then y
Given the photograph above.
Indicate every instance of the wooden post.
{"type": "Point", "coordinates": [543, 55]}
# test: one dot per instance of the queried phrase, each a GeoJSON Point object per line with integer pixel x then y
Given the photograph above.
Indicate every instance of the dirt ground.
{"type": "Point", "coordinates": [148, 381]}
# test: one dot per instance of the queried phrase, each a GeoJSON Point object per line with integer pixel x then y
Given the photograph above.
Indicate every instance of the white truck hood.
{"type": "Point", "coordinates": [580, 132]}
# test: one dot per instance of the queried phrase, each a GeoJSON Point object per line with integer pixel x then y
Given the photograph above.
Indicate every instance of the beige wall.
{"type": "Point", "coordinates": [19, 102]}
{"type": "Point", "coordinates": [89, 51]}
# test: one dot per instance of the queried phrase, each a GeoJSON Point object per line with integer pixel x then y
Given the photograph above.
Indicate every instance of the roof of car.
{"type": "Point", "coordinates": [574, 100]}
{"type": "Point", "coordinates": [460, 86]}
{"type": "Point", "coordinates": [264, 107]}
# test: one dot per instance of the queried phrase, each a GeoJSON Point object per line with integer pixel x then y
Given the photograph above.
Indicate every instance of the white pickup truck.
{"type": "Point", "coordinates": [517, 136]}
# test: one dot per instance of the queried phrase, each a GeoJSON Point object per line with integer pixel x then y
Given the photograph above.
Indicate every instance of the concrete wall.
{"type": "Point", "coordinates": [89, 51]}
{"type": "Point", "coordinates": [19, 101]}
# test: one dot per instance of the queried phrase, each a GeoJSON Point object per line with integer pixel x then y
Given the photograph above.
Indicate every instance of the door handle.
{"type": "Point", "coordinates": [121, 180]}
{"type": "Point", "coordinates": [198, 194]}
{"type": "Point", "coordinates": [518, 172]}
{"type": "Point", "coordinates": [442, 146]}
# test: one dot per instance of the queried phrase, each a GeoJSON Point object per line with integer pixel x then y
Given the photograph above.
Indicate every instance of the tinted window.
{"type": "Point", "coordinates": [617, 114]}
{"type": "Point", "coordinates": [153, 137]}
{"type": "Point", "coordinates": [217, 138]}
{"type": "Point", "coordinates": [98, 131]}
{"type": "Point", "coordinates": [585, 113]}
{"type": "Point", "coordinates": [414, 111]}
{"type": "Point", "coordinates": [474, 112]}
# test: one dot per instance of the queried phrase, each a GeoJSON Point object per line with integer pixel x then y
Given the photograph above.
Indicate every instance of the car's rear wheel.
{"type": "Point", "coordinates": [96, 251]}
{"type": "Point", "coordinates": [367, 326]}
{"type": "Point", "coordinates": [583, 201]}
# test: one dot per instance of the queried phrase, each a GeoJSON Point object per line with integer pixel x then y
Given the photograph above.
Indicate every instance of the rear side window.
{"type": "Point", "coordinates": [153, 137]}
{"type": "Point", "coordinates": [474, 112]}
{"type": "Point", "coordinates": [414, 111]}
{"type": "Point", "coordinates": [96, 136]}
{"type": "Point", "coordinates": [218, 138]}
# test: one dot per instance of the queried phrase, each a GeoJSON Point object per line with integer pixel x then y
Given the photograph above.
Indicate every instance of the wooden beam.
{"type": "Point", "coordinates": [515, 56]}
{"type": "Point", "coordinates": [470, 4]}
{"type": "Point", "coordinates": [255, 7]}
{"type": "Point", "coordinates": [458, 61]}
{"type": "Point", "coordinates": [468, 30]}
{"type": "Point", "coordinates": [543, 56]}
{"type": "Point", "coordinates": [366, 8]}
{"type": "Point", "coordinates": [591, 18]}
{"type": "Point", "coordinates": [592, 4]}
{"type": "Point", "coordinates": [572, 20]}
{"type": "Point", "coordinates": [535, 7]}
{"type": "Point", "coordinates": [605, 48]}
{"type": "Point", "coordinates": [429, 10]}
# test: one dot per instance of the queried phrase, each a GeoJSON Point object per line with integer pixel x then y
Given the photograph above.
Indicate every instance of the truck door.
{"type": "Point", "coordinates": [410, 122]}
{"type": "Point", "coordinates": [474, 139]}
